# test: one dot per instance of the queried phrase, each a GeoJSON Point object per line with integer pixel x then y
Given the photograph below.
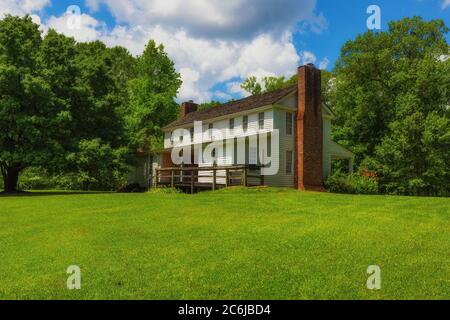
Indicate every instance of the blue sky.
{"type": "Point", "coordinates": [214, 43]}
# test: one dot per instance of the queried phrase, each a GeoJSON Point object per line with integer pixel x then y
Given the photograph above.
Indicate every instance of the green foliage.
{"type": "Point", "coordinates": [77, 110]}
{"type": "Point", "coordinates": [268, 84]}
{"type": "Point", "coordinates": [164, 190]}
{"type": "Point", "coordinates": [252, 86]}
{"type": "Point", "coordinates": [98, 166]}
{"type": "Point", "coordinates": [415, 158]}
{"type": "Point", "coordinates": [32, 117]}
{"type": "Point", "coordinates": [208, 105]}
{"type": "Point", "coordinates": [391, 95]}
{"type": "Point", "coordinates": [351, 184]}
{"type": "Point", "coordinates": [152, 94]}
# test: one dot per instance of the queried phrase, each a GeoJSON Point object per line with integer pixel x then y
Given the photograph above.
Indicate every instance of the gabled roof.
{"type": "Point", "coordinates": [237, 106]}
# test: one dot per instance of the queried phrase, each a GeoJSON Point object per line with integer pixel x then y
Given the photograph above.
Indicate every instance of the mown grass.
{"type": "Point", "coordinates": [231, 244]}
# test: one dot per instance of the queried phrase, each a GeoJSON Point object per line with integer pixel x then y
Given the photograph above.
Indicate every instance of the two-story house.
{"type": "Point", "coordinates": [288, 130]}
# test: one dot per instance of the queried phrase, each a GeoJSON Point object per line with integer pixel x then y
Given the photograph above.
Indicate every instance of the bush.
{"type": "Point", "coordinates": [352, 184]}
{"type": "Point", "coordinates": [35, 179]}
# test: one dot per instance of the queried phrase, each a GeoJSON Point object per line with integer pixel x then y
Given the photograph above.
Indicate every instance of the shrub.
{"type": "Point", "coordinates": [352, 184]}
{"type": "Point", "coordinates": [35, 179]}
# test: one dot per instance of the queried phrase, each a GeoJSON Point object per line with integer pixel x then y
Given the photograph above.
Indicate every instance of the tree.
{"type": "Point", "coordinates": [209, 105]}
{"type": "Point", "coordinates": [268, 84]}
{"type": "Point", "coordinates": [31, 116]}
{"type": "Point", "coordinates": [389, 90]}
{"type": "Point", "coordinates": [152, 97]}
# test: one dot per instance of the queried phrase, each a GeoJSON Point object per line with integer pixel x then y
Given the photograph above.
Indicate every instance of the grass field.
{"type": "Point", "coordinates": [231, 244]}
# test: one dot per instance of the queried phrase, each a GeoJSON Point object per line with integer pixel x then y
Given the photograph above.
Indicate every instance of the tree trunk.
{"type": "Point", "coordinates": [10, 179]}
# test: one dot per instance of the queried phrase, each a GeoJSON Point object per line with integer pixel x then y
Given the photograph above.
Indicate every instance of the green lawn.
{"type": "Point", "coordinates": [232, 244]}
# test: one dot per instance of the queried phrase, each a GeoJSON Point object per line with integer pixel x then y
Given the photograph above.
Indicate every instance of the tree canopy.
{"type": "Point", "coordinates": [69, 107]}
{"type": "Point", "coordinates": [391, 94]}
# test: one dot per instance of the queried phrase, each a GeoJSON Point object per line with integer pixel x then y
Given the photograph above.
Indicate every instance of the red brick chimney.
{"type": "Point", "coordinates": [309, 133]}
{"type": "Point", "coordinates": [188, 107]}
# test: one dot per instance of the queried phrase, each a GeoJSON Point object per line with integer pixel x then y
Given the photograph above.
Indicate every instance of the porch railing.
{"type": "Point", "coordinates": [195, 178]}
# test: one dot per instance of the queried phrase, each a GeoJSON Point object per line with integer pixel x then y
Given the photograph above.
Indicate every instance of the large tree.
{"type": "Point", "coordinates": [152, 97]}
{"type": "Point", "coordinates": [33, 120]}
{"type": "Point", "coordinates": [391, 94]}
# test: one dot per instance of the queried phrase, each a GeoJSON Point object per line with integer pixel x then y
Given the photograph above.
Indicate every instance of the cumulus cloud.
{"type": "Point", "coordinates": [21, 7]}
{"type": "Point", "coordinates": [231, 19]}
{"type": "Point", "coordinates": [324, 64]}
{"type": "Point", "coordinates": [214, 41]}
{"type": "Point", "coordinates": [203, 63]}
{"type": "Point", "coordinates": [83, 27]}
{"type": "Point", "coordinates": [211, 41]}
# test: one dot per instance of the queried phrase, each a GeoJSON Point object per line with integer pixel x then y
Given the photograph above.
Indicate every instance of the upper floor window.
{"type": "Point", "coordinates": [171, 138]}
{"type": "Point", "coordinates": [210, 130]}
{"type": "Point", "coordinates": [289, 124]}
{"type": "Point", "coordinates": [245, 123]}
{"type": "Point", "coordinates": [261, 120]}
{"type": "Point", "coordinates": [231, 124]}
{"type": "Point", "coordinates": [191, 132]}
{"type": "Point", "coordinates": [181, 138]}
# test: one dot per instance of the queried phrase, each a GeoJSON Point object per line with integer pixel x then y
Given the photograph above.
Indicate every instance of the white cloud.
{"type": "Point", "coordinates": [235, 88]}
{"type": "Point", "coordinates": [324, 64]}
{"type": "Point", "coordinates": [83, 28]}
{"type": "Point", "coordinates": [231, 19]}
{"type": "Point", "coordinates": [211, 41]}
{"type": "Point", "coordinates": [308, 57]}
{"type": "Point", "coordinates": [21, 7]}
{"type": "Point", "coordinates": [445, 4]}
{"type": "Point", "coordinates": [222, 95]}
{"type": "Point", "coordinates": [203, 63]}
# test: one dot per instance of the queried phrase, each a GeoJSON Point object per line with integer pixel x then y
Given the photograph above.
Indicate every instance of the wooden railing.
{"type": "Point", "coordinates": [193, 178]}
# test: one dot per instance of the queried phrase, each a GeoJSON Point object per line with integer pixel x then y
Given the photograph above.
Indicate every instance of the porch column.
{"type": "Point", "coordinates": [351, 163]}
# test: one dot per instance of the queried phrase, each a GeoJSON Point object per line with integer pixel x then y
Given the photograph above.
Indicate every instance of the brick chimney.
{"type": "Point", "coordinates": [309, 130]}
{"type": "Point", "coordinates": [188, 107]}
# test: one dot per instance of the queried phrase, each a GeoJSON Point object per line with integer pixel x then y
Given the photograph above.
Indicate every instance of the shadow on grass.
{"type": "Point", "coordinates": [51, 193]}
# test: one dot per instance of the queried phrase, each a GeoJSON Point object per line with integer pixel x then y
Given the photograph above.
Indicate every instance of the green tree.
{"type": "Point", "coordinates": [252, 86]}
{"type": "Point", "coordinates": [209, 105]}
{"type": "Point", "coordinates": [389, 90]}
{"type": "Point", "coordinates": [152, 97]}
{"type": "Point", "coordinates": [31, 117]}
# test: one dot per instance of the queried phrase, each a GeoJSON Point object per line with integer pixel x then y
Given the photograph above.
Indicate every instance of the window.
{"type": "Point", "coordinates": [210, 130]}
{"type": "Point", "coordinates": [191, 131]}
{"type": "Point", "coordinates": [289, 161]}
{"type": "Point", "coordinates": [171, 137]}
{"type": "Point", "coordinates": [289, 122]}
{"type": "Point", "coordinates": [181, 138]}
{"type": "Point", "coordinates": [245, 123]}
{"type": "Point", "coordinates": [231, 124]}
{"type": "Point", "coordinates": [261, 121]}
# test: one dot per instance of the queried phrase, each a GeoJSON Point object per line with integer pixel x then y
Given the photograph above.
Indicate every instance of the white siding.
{"type": "Point", "coordinates": [282, 179]}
